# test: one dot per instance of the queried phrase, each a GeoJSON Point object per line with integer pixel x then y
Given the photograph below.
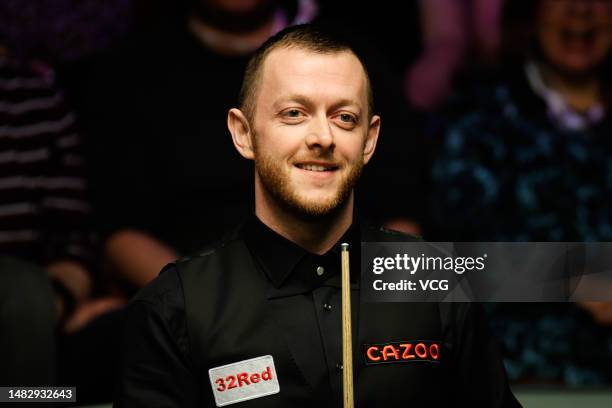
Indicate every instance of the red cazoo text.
{"type": "Point", "coordinates": [402, 352]}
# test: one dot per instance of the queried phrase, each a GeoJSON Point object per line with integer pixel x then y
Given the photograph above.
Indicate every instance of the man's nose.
{"type": "Point", "coordinates": [320, 134]}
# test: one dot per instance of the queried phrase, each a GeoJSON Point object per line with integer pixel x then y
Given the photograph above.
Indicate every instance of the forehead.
{"type": "Point", "coordinates": [324, 77]}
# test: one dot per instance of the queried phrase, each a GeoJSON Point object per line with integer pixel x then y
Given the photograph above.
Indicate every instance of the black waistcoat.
{"type": "Point", "coordinates": [230, 319]}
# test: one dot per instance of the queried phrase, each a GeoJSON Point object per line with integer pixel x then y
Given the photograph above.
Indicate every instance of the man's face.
{"type": "Point", "coordinates": [575, 35]}
{"type": "Point", "coordinates": [311, 134]}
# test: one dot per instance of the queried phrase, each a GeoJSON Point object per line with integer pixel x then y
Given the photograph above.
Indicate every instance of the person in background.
{"type": "Point", "coordinates": [444, 32]}
{"type": "Point", "coordinates": [485, 20]}
{"type": "Point", "coordinates": [530, 160]}
{"type": "Point", "coordinates": [455, 35]}
{"type": "Point", "coordinates": [43, 219]}
{"type": "Point", "coordinates": [47, 247]}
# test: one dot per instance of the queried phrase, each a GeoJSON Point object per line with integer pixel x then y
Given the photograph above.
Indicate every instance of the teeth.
{"type": "Point", "coordinates": [313, 167]}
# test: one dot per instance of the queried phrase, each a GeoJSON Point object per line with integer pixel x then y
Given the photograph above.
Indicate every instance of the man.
{"type": "Point", "coordinates": [257, 319]}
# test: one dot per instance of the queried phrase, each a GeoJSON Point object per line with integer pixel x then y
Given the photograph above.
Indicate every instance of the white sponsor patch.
{"type": "Point", "coordinates": [244, 380]}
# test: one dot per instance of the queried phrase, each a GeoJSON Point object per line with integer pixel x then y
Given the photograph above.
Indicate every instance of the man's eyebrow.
{"type": "Point", "coordinates": [302, 100]}
{"type": "Point", "coordinates": [347, 102]}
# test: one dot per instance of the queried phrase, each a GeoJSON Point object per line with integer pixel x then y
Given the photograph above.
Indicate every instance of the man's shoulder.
{"type": "Point", "coordinates": [169, 283]}
{"type": "Point", "coordinates": [229, 247]}
{"type": "Point", "coordinates": [165, 287]}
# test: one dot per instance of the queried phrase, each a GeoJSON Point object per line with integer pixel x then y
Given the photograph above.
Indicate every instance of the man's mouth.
{"type": "Point", "coordinates": [317, 167]}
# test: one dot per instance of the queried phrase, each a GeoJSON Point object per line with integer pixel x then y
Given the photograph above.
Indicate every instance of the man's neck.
{"type": "Point", "coordinates": [314, 235]}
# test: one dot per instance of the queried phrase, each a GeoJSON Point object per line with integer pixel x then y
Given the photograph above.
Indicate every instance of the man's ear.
{"type": "Point", "coordinates": [371, 138]}
{"type": "Point", "coordinates": [240, 129]}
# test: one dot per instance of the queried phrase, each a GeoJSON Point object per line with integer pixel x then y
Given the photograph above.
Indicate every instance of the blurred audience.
{"type": "Point", "coordinates": [454, 33]}
{"type": "Point", "coordinates": [63, 31]}
{"type": "Point", "coordinates": [43, 215]}
{"type": "Point", "coordinates": [484, 19]}
{"type": "Point", "coordinates": [47, 249]}
{"type": "Point", "coordinates": [528, 159]}
{"type": "Point", "coordinates": [444, 43]}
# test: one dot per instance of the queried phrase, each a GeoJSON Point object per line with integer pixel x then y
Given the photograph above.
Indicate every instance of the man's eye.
{"type": "Point", "coordinates": [345, 117]}
{"type": "Point", "coordinates": [293, 113]}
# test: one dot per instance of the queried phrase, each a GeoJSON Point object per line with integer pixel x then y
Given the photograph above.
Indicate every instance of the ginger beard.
{"type": "Point", "coordinates": [276, 181]}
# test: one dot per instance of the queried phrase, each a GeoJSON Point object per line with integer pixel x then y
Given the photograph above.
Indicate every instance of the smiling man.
{"type": "Point", "coordinates": [306, 120]}
{"type": "Point", "coordinates": [256, 320]}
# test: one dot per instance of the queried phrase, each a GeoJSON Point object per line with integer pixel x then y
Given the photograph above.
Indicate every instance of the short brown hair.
{"type": "Point", "coordinates": [304, 36]}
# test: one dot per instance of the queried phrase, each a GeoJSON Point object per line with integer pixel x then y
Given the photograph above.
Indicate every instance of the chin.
{"type": "Point", "coordinates": [317, 208]}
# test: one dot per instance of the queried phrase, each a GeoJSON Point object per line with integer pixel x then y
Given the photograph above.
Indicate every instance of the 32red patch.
{"type": "Point", "coordinates": [402, 352]}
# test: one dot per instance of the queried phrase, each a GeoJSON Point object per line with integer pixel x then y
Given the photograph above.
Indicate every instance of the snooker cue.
{"type": "Point", "coordinates": [347, 342]}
